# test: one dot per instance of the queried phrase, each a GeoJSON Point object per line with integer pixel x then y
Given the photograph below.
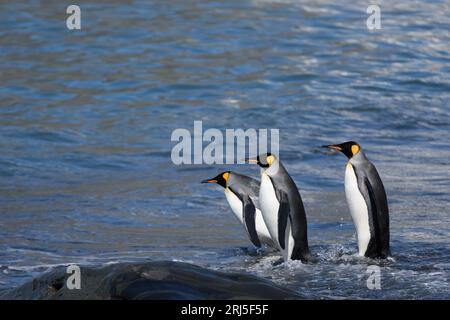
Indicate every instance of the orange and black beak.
{"type": "Point", "coordinates": [264, 160]}
{"type": "Point", "coordinates": [209, 181]}
{"type": "Point", "coordinates": [333, 146]}
{"type": "Point", "coordinates": [251, 160]}
{"type": "Point", "coordinates": [349, 148]}
{"type": "Point", "coordinates": [221, 179]}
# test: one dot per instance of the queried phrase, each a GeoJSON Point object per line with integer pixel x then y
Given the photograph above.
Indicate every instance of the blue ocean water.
{"type": "Point", "coordinates": [86, 118]}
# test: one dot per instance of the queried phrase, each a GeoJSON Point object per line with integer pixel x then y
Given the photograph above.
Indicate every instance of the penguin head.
{"type": "Point", "coordinates": [221, 179]}
{"type": "Point", "coordinates": [349, 148]}
{"type": "Point", "coordinates": [264, 160]}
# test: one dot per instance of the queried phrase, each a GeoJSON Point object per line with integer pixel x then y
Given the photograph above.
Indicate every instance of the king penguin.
{"type": "Point", "coordinates": [282, 208]}
{"type": "Point", "coordinates": [242, 195]}
{"type": "Point", "coordinates": [367, 201]}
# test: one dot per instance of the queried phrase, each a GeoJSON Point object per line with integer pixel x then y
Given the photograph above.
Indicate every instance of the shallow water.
{"type": "Point", "coordinates": [86, 119]}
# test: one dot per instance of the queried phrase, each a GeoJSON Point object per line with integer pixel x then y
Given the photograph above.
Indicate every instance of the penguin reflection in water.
{"type": "Point", "coordinates": [282, 208]}
{"type": "Point", "coordinates": [242, 195]}
{"type": "Point", "coordinates": [367, 201]}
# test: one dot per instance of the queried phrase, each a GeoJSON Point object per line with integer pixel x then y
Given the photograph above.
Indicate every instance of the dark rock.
{"type": "Point", "coordinates": [152, 280]}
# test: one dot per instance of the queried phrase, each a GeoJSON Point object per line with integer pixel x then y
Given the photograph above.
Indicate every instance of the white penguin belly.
{"type": "Point", "coordinates": [358, 209]}
{"type": "Point", "coordinates": [235, 204]}
{"type": "Point", "coordinates": [269, 209]}
{"type": "Point", "coordinates": [261, 229]}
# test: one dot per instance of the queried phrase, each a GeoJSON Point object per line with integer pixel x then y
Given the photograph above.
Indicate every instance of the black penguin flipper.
{"type": "Point", "coordinates": [372, 190]}
{"type": "Point", "coordinates": [374, 247]}
{"type": "Point", "coordinates": [382, 211]}
{"type": "Point", "coordinates": [249, 215]}
{"type": "Point", "coordinates": [283, 216]}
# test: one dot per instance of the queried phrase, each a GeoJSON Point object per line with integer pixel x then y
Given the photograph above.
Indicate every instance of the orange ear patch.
{"type": "Point", "coordinates": [270, 159]}
{"type": "Point", "coordinates": [225, 176]}
{"type": "Point", "coordinates": [355, 149]}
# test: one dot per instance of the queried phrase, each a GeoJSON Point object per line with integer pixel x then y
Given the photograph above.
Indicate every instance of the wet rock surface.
{"type": "Point", "coordinates": [152, 280]}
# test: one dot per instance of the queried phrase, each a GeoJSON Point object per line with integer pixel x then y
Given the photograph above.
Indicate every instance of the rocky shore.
{"type": "Point", "coordinates": [151, 280]}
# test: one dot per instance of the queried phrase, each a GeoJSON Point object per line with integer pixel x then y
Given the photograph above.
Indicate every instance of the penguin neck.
{"type": "Point", "coordinates": [359, 157]}
{"type": "Point", "coordinates": [273, 169]}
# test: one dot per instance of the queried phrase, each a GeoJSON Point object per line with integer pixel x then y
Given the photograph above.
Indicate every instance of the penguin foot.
{"type": "Point", "coordinates": [311, 259]}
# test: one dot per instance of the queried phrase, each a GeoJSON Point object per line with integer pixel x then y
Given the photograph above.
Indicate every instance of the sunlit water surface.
{"type": "Point", "coordinates": [86, 118]}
